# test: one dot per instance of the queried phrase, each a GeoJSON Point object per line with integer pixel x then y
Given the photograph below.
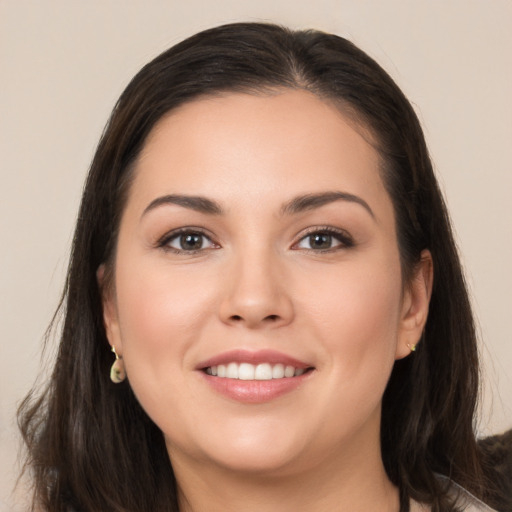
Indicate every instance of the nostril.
{"type": "Point", "coordinates": [268, 318]}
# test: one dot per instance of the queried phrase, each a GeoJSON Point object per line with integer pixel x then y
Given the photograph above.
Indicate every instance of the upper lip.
{"type": "Point", "coordinates": [252, 357]}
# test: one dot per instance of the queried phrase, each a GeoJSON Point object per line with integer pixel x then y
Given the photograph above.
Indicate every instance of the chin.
{"type": "Point", "coordinates": [257, 449]}
{"type": "Point", "coordinates": [267, 462]}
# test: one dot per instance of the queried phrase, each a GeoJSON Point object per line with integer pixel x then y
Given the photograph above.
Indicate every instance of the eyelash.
{"type": "Point", "coordinates": [344, 239]}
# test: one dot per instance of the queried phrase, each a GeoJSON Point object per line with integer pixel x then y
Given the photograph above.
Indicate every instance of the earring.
{"type": "Point", "coordinates": [412, 347]}
{"type": "Point", "coordinates": [117, 372]}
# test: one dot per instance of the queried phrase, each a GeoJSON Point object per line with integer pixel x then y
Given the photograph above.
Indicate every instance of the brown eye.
{"type": "Point", "coordinates": [191, 242]}
{"type": "Point", "coordinates": [188, 241]}
{"type": "Point", "coordinates": [325, 240]}
{"type": "Point", "coordinates": [320, 241]}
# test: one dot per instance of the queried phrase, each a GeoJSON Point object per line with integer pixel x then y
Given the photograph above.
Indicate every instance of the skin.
{"type": "Point", "coordinates": [257, 283]}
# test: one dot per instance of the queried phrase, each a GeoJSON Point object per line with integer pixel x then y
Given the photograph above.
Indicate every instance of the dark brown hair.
{"type": "Point", "coordinates": [90, 444]}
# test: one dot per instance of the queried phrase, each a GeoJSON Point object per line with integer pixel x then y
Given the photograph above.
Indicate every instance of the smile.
{"type": "Point", "coordinates": [247, 371]}
{"type": "Point", "coordinates": [254, 377]}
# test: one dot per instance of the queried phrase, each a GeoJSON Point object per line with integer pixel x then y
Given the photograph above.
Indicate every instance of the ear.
{"type": "Point", "coordinates": [415, 306]}
{"type": "Point", "coordinates": [109, 306]}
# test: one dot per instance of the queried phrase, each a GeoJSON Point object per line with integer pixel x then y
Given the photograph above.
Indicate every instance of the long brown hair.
{"type": "Point", "coordinates": [90, 444]}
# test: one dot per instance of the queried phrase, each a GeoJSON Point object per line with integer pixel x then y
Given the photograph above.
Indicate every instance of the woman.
{"type": "Point", "coordinates": [263, 245]}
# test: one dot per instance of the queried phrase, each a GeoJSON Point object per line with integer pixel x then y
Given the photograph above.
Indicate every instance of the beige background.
{"type": "Point", "coordinates": [63, 63]}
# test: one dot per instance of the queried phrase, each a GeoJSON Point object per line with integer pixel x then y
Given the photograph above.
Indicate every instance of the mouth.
{"type": "Point", "coordinates": [254, 377]}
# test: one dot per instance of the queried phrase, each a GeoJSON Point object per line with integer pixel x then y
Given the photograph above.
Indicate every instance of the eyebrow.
{"type": "Point", "coordinates": [296, 205]}
{"type": "Point", "coordinates": [197, 203]}
{"type": "Point", "coordinates": [312, 201]}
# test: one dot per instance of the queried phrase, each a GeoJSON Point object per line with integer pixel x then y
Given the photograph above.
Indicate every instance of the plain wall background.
{"type": "Point", "coordinates": [63, 64]}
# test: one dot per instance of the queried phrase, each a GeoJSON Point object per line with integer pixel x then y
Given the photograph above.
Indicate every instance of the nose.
{"type": "Point", "coordinates": [257, 293]}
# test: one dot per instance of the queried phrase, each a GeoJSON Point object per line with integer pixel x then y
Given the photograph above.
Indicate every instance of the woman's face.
{"type": "Point", "coordinates": [258, 302]}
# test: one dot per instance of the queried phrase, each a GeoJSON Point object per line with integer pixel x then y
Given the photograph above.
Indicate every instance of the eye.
{"type": "Point", "coordinates": [187, 241]}
{"type": "Point", "coordinates": [324, 240]}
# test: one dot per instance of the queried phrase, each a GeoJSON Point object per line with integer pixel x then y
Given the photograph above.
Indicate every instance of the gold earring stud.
{"type": "Point", "coordinates": [412, 347]}
{"type": "Point", "coordinates": [117, 371]}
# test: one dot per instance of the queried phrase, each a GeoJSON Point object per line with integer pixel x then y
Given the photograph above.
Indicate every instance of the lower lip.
{"type": "Point", "coordinates": [255, 391]}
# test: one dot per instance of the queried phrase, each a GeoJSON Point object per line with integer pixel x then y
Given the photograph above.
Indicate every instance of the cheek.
{"type": "Point", "coordinates": [161, 314]}
{"type": "Point", "coordinates": [357, 313]}
{"type": "Point", "coordinates": [356, 317]}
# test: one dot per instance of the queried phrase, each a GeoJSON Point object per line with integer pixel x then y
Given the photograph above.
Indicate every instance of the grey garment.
{"type": "Point", "coordinates": [466, 501]}
{"type": "Point", "coordinates": [469, 503]}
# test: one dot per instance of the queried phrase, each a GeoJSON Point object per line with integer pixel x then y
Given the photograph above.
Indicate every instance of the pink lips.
{"type": "Point", "coordinates": [253, 391]}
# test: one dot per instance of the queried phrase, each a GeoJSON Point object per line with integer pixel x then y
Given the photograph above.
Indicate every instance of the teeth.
{"type": "Point", "coordinates": [263, 372]}
{"type": "Point", "coordinates": [247, 371]}
{"type": "Point", "coordinates": [232, 371]}
{"type": "Point", "coordinates": [289, 371]}
{"type": "Point", "coordinates": [278, 371]}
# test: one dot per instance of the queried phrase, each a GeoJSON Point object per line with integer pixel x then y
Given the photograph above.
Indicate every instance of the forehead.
{"type": "Point", "coordinates": [290, 142]}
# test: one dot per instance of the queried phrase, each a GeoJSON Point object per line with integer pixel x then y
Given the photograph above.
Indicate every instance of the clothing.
{"type": "Point", "coordinates": [467, 502]}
